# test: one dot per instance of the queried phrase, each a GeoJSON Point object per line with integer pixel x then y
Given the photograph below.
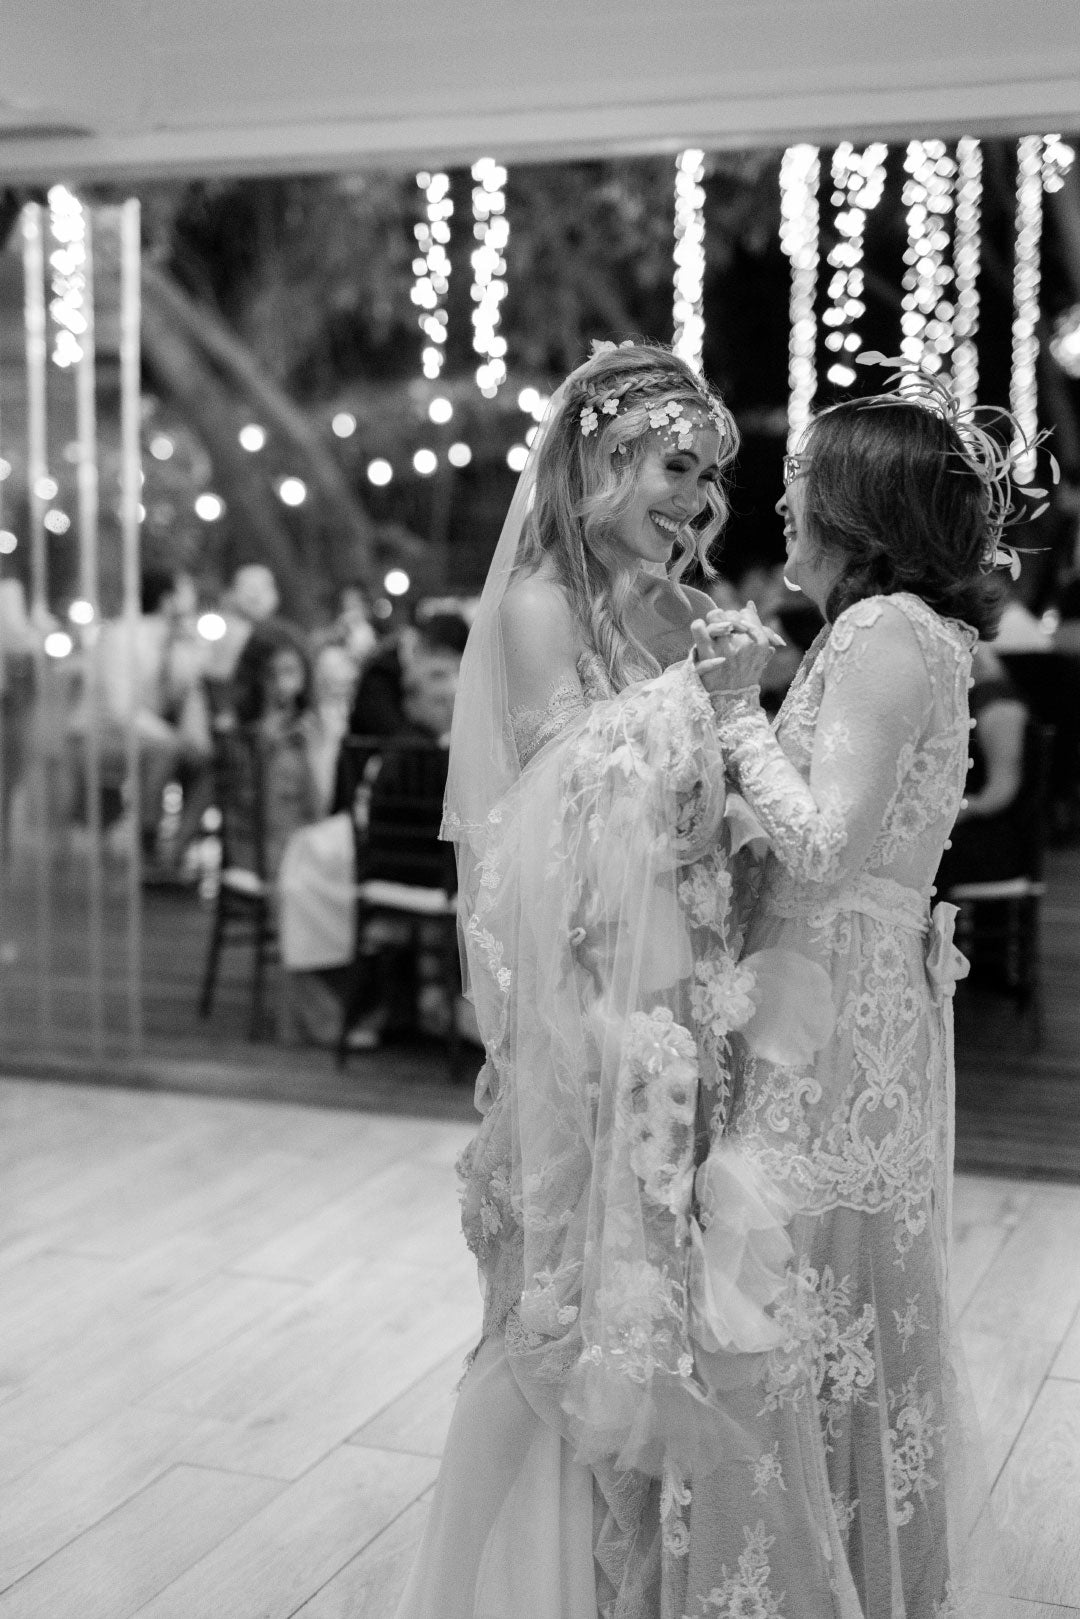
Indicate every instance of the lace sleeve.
{"type": "Point", "coordinates": [876, 702]}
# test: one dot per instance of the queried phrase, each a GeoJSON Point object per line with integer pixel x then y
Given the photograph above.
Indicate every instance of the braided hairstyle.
{"type": "Point", "coordinates": [585, 483]}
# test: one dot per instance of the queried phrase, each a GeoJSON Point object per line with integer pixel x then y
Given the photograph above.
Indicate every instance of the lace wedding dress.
{"type": "Point", "coordinates": [603, 930]}
{"type": "Point", "coordinates": [856, 792]}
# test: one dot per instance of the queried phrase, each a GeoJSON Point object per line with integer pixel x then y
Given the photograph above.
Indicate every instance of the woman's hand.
{"type": "Point", "coordinates": [732, 649]}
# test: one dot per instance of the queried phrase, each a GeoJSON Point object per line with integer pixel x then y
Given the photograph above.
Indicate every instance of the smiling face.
{"type": "Point", "coordinates": [671, 488]}
{"type": "Point", "coordinates": [808, 567]}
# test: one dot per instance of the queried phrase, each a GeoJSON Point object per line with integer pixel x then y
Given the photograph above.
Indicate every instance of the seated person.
{"type": "Point", "coordinates": [991, 839]}
{"type": "Point", "coordinates": [334, 680]}
{"type": "Point", "coordinates": [317, 905]}
{"type": "Point", "coordinates": [274, 701]}
{"type": "Point", "coordinates": [381, 708]}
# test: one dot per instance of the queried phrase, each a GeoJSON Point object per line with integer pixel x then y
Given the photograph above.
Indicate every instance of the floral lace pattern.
{"type": "Point", "coordinates": [767, 1471]}
{"type": "Point", "coordinates": [914, 1436]}
{"type": "Point", "coordinates": [857, 790]}
{"type": "Point", "coordinates": [745, 1593]}
{"type": "Point", "coordinates": [826, 1349]}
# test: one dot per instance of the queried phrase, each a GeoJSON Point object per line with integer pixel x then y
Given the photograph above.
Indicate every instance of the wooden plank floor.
{"type": "Point", "coordinates": [231, 1331]}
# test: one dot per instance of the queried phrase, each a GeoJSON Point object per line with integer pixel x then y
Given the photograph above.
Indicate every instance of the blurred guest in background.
{"type": "Point", "coordinates": [18, 642]}
{"type": "Point", "coordinates": [991, 840]}
{"type": "Point", "coordinates": [381, 708]}
{"type": "Point", "coordinates": [319, 871]}
{"type": "Point", "coordinates": [327, 720]}
{"type": "Point", "coordinates": [1067, 633]}
{"type": "Point", "coordinates": [353, 626]}
{"type": "Point", "coordinates": [251, 598]}
{"type": "Point", "coordinates": [275, 701]}
{"type": "Point", "coordinates": [1020, 630]}
{"type": "Point", "coordinates": [146, 676]}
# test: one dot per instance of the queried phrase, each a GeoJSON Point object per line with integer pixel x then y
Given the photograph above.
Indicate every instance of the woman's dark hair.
{"type": "Point", "coordinates": [252, 676]}
{"type": "Point", "coordinates": [889, 491]}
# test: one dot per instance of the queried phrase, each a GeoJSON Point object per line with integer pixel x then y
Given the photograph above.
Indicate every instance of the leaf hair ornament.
{"type": "Point", "coordinates": [987, 452]}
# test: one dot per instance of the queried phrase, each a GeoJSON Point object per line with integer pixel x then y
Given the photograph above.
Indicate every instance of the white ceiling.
{"type": "Point", "coordinates": [140, 87]}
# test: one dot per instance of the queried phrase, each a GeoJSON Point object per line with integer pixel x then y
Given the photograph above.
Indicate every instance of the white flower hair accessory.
{"type": "Point", "coordinates": [588, 420]}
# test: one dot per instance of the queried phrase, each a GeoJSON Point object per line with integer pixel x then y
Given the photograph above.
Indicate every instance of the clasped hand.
{"type": "Point", "coordinates": [732, 648]}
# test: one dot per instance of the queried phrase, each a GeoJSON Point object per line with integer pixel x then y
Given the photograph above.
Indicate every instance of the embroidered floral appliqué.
{"type": "Point", "coordinates": [745, 1594]}
{"type": "Point", "coordinates": [767, 1471]}
{"type": "Point", "coordinates": [912, 1440]}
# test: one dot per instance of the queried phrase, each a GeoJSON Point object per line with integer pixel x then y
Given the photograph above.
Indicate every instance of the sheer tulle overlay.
{"type": "Point", "coordinates": [604, 932]}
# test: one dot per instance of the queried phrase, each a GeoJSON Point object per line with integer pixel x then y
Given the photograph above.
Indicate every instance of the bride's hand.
{"type": "Point", "coordinates": [732, 649]}
{"type": "Point", "coordinates": [746, 620]}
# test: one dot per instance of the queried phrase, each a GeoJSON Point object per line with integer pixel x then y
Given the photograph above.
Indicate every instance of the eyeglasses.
{"type": "Point", "coordinates": [794, 467]}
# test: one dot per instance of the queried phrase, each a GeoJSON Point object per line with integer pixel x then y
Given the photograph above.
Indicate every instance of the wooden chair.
{"type": "Point", "coordinates": [243, 909]}
{"type": "Point", "coordinates": [403, 869]}
{"type": "Point", "coordinates": [999, 922]}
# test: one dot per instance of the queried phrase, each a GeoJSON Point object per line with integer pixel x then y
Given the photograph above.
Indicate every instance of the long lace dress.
{"type": "Point", "coordinates": [856, 791]}
{"type": "Point", "coordinates": [603, 939]}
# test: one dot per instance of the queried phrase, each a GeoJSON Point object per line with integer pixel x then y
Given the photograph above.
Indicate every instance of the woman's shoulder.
{"type": "Point", "coordinates": [889, 634]}
{"type": "Point", "coordinates": [536, 605]}
{"type": "Point", "coordinates": [901, 618]}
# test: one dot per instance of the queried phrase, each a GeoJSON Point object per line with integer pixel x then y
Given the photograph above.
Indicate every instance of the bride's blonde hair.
{"type": "Point", "coordinates": [586, 474]}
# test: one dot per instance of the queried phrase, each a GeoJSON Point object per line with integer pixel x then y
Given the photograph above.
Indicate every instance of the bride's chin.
{"type": "Point", "coordinates": [792, 584]}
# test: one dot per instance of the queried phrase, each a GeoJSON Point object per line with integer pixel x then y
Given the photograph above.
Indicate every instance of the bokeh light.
{"type": "Point", "coordinates": [293, 491]}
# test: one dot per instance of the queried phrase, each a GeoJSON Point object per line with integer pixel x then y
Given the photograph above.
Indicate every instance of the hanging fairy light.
{"type": "Point", "coordinates": [492, 232]}
{"type": "Point", "coordinates": [67, 262]}
{"type": "Point", "coordinates": [1023, 393]}
{"type": "Point", "coordinates": [858, 182]}
{"type": "Point", "coordinates": [1057, 159]}
{"type": "Point", "coordinates": [689, 257]}
{"type": "Point", "coordinates": [800, 174]}
{"type": "Point", "coordinates": [929, 312]}
{"type": "Point", "coordinates": [431, 268]}
{"type": "Point", "coordinates": [967, 248]}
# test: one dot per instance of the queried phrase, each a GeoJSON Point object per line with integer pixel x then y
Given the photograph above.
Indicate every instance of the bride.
{"type": "Point", "coordinates": [602, 916]}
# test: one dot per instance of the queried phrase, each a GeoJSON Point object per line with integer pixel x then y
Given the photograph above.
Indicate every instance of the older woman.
{"type": "Point", "coordinates": [893, 511]}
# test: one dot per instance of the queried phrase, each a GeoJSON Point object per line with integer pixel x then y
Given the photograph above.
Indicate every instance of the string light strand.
{"type": "Point", "coordinates": [800, 175]}
{"type": "Point", "coordinates": [927, 321]}
{"type": "Point", "coordinates": [67, 262]}
{"type": "Point", "coordinates": [689, 256]}
{"type": "Point", "coordinates": [967, 249]}
{"type": "Point", "coordinates": [1023, 393]}
{"type": "Point", "coordinates": [858, 182]}
{"type": "Point", "coordinates": [492, 232]}
{"type": "Point", "coordinates": [431, 267]}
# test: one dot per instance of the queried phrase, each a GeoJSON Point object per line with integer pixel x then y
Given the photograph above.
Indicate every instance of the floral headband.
{"type": "Point", "coordinates": [669, 416]}
{"type": "Point", "coordinates": [992, 461]}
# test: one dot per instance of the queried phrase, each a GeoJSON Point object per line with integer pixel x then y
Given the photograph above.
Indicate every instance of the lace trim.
{"type": "Point", "coordinates": [532, 727]}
